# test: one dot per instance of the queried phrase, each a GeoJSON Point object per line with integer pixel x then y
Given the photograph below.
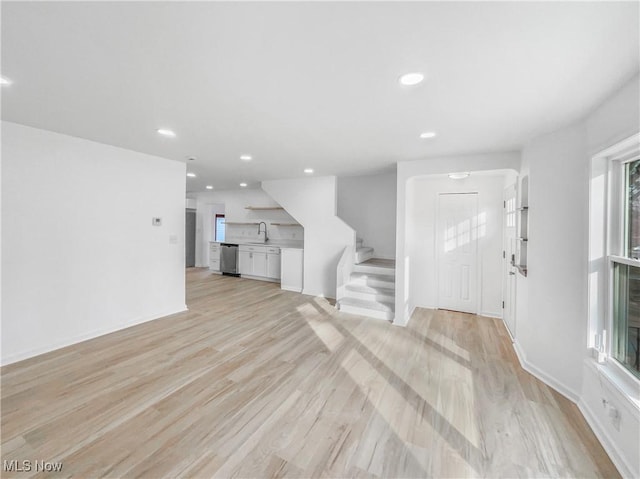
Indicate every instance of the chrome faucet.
{"type": "Point", "coordinates": [265, 230]}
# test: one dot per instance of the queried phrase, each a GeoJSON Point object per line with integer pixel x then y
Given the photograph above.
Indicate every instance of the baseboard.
{"type": "Point", "coordinates": [14, 358]}
{"type": "Point", "coordinates": [487, 314]}
{"type": "Point", "coordinates": [260, 278]}
{"type": "Point", "coordinates": [408, 312]}
{"type": "Point", "coordinates": [412, 309]}
{"type": "Point", "coordinates": [291, 288]}
{"type": "Point", "coordinates": [317, 295]}
{"type": "Point", "coordinates": [511, 336]}
{"type": "Point", "coordinates": [566, 391]}
{"type": "Point", "coordinates": [607, 443]}
{"type": "Point", "coordinates": [426, 306]}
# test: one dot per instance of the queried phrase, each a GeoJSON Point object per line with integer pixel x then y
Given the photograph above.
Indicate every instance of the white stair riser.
{"type": "Point", "coordinates": [370, 313]}
{"type": "Point", "coordinates": [363, 254]}
{"type": "Point", "coordinates": [363, 268]}
{"type": "Point", "coordinates": [374, 282]}
{"type": "Point", "coordinates": [387, 298]}
{"type": "Point", "coordinates": [362, 288]}
{"type": "Point", "coordinates": [362, 257]}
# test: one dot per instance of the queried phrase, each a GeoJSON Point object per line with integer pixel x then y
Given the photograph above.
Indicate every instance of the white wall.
{"type": "Point", "coordinates": [312, 202]}
{"type": "Point", "coordinates": [552, 320]}
{"type": "Point", "coordinates": [80, 257]}
{"type": "Point", "coordinates": [422, 204]}
{"type": "Point", "coordinates": [233, 203]}
{"type": "Point", "coordinates": [411, 169]}
{"type": "Point", "coordinates": [368, 205]}
{"type": "Point", "coordinates": [615, 119]}
{"type": "Point", "coordinates": [553, 335]}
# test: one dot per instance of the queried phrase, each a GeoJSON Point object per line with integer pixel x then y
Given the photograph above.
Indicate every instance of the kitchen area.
{"type": "Point", "coordinates": [265, 243]}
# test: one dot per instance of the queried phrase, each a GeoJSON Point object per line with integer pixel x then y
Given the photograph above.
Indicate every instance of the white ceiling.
{"type": "Point", "coordinates": [315, 85]}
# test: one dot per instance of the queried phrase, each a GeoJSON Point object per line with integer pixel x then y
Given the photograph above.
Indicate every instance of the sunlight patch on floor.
{"type": "Point", "coordinates": [450, 345]}
{"type": "Point", "coordinates": [325, 331]}
{"type": "Point", "coordinates": [390, 404]}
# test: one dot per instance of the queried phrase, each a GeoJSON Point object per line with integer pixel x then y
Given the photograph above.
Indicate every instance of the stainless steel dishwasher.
{"type": "Point", "coordinates": [229, 259]}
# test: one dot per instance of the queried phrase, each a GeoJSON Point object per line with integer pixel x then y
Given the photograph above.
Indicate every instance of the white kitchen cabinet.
{"type": "Point", "coordinates": [291, 269]}
{"type": "Point", "coordinates": [259, 263]}
{"type": "Point", "coordinates": [214, 256]}
{"type": "Point", "coordinates": [273, 263]}
{"type": "Point", "coordinates": [245, 262]}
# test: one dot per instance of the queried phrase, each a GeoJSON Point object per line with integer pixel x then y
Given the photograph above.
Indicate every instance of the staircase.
{"type": "Point", "coordinates": [370, 290]}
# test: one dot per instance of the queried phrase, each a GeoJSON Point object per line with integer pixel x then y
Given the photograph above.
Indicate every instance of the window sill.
{"type": "Point", "coordinates": [622, 381]}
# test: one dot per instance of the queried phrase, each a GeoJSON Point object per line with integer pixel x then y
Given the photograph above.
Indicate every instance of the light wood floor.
{"type": "Point", "coordinates": [257, 382]}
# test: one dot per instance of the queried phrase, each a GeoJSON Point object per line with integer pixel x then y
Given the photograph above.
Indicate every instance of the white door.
{"type": "Point", "coordinates": [457, 243]}
{"type": "Point", "coordinates": [509, 255]}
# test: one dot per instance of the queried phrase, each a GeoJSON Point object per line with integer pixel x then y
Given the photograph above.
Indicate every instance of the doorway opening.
{"type": "Point", "coordinates": [190, 238]}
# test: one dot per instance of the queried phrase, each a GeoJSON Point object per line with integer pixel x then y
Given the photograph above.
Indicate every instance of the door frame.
{"type": "Point", "coordinates": [509, 271]}
{"type": "Point", "coordinates": [191, 244]}
{"type": "Point", "coordinates": [478, 291]}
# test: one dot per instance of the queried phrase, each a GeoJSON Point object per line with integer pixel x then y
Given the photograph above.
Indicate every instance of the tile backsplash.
{"type": "Point", "coordinates": [239, 233]}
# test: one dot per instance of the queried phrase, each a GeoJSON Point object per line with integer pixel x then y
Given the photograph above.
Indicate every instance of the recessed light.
{"type": "Point", "coordinates": [428, 134]}
{"type": "Point", "coordinates": [166, 132]}
{"type": "Point", "coordinates": [459, 176]}
{"type": "Point", "coordinates": [243, 185]}
{"type": "Point", "coordinates": [191, 175]}
{"type": "Point", "coordinates": [308, 170]}
{"type": "Point", "coordinates": [5, 81]}
{"type": "Point", "coordinates": [246, 157]}
{"type": "Point", "coordinates": [410, 79]}
{"type": "Point", "coordinates": [209, 187]}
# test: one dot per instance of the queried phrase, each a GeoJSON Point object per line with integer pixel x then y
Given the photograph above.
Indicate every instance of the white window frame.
{"type": "Point", "coordinates": [606, 248]}
{"type": "Point", "coordinates": [617, 245]}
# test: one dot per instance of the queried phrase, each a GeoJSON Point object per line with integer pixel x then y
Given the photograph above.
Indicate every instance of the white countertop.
{"type": "Point", "coordinates": [278, 243]}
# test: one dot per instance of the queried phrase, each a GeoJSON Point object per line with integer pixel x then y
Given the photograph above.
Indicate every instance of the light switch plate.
{"type": "Point", "coordinates": [156, 221]}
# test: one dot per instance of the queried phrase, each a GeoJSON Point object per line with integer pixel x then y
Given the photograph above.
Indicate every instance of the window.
{"type": "Point", "coordinates": [625, 262]}
{"type": "Point", "coordinates": [219, 228]}
{"type": "Point", "coordinates": [614, 265]}
{"type": "Point", "coordinates": [632, 208]}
